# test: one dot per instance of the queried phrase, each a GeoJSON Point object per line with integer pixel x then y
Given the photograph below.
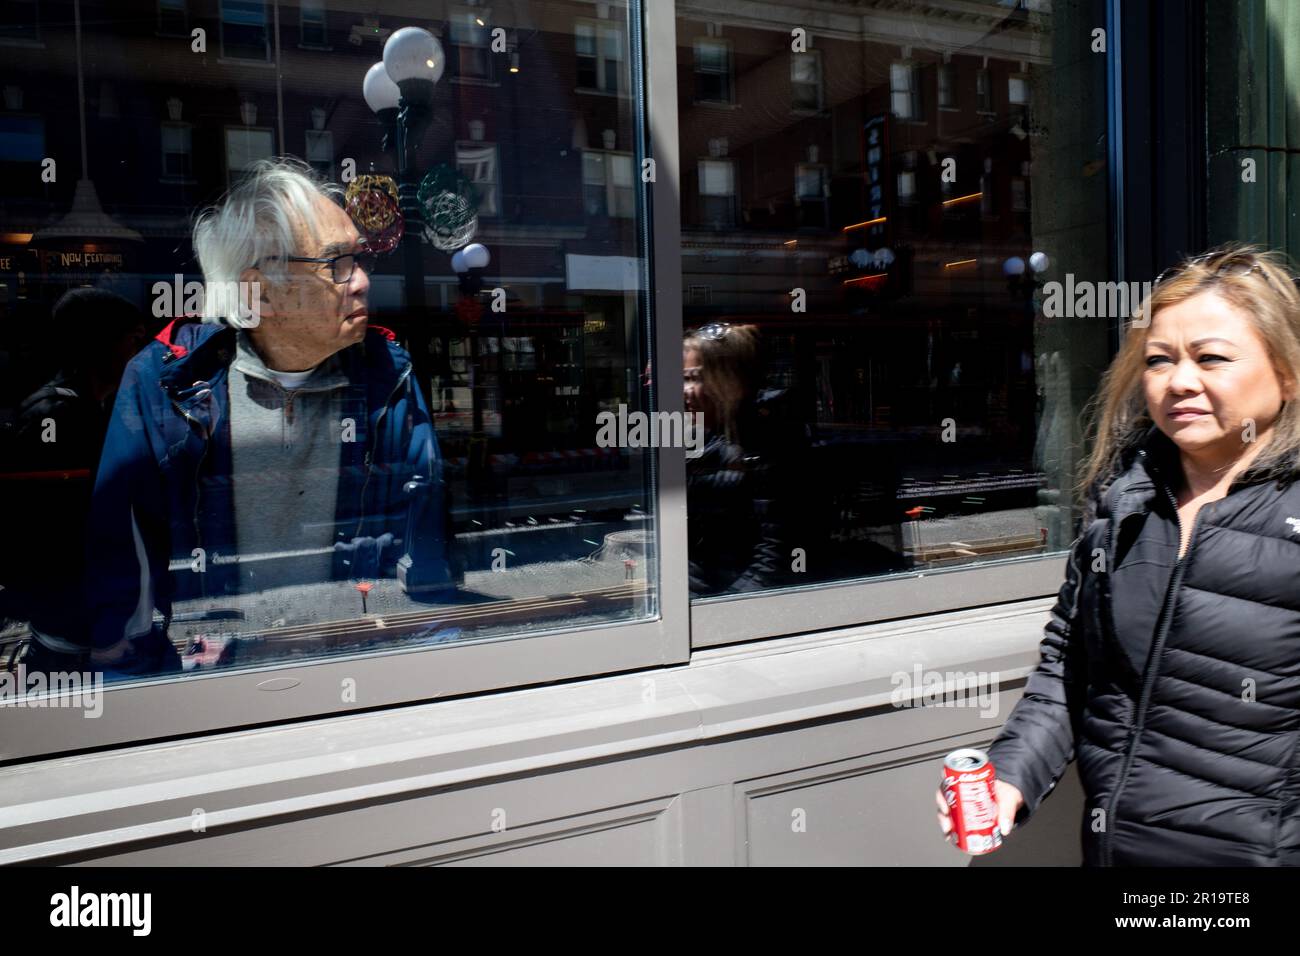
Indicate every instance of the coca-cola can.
{"type": "Point", "coordinates": [968, 790]}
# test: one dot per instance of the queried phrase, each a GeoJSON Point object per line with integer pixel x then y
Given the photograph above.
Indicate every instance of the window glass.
{"type": "Point", "coordinates": [599, 48]}
{"type": "Point", "coordinates": [21, 20]}
{"type": "Point", "coordinates": [879, 342]}
{"type": "Point", "coordinates": [946, 91]}
{"type": "Point", "coordinates": [320, 151]}
{"type": "Point", "coordinates": [469, 37]}
{"type": "Point", "coordinates": [246, 146]}
{"type": "Point", "coordinates": [806, 80]}
{"type": "Point", "coordinates": [177, 145]}
{"type": "Point", "coordinates": [245, 32]}
{"type": "Point", "coordinates": [313, 23]}
{"type": "Point", "coordinates": [253, 443]}
{"type": "Point", "coordinates": [983, 91]}
{"type": "Point", "coordinates": [172, 16]}
{"type": "Point", "coordinates": [478, 161]}
{"type": "Point", "coordinates": [901, 85]}
{"type": "Point", "coordinates": [713, 71]}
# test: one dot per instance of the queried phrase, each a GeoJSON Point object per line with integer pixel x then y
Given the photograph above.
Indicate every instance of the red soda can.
{"type": "Point", "coordinates": [968, 789]}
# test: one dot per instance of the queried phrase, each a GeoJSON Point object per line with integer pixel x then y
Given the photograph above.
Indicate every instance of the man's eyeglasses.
{"type": "Point", "coordinates": [341, 267]}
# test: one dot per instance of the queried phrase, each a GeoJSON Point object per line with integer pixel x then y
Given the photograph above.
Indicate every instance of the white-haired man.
{"type": "Point", "coordinates": [282, 441]}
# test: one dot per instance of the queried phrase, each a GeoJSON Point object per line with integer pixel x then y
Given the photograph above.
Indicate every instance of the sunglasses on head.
{"type": "Point", "coordinates": [714, 331]}
{"type": "Point", "coordinates": [1230, 264]}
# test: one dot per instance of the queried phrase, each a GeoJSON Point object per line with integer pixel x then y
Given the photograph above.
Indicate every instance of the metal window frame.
{"type": "Point", "coordinates": [139, 712]}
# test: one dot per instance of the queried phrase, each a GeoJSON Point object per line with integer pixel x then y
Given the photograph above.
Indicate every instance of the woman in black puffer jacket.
{"type": "Point", "coordinates": [1171, 663]}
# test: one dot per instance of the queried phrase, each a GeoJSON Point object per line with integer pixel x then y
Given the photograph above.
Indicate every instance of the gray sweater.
{"type": "Point", "coordinates": [285, 450]}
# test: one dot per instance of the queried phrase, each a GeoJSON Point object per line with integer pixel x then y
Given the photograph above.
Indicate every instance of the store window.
{"type": "Point", "coordinates": [887, 389]}
{"type": "Point", "coordinates": [206, 493]}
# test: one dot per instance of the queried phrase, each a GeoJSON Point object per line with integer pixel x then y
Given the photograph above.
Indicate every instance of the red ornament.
{"type": "Point", "coordinates": [378, 218]}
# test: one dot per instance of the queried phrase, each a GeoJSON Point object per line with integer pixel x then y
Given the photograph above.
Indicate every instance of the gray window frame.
{"type": "Point", "coordinates": [142, 711]}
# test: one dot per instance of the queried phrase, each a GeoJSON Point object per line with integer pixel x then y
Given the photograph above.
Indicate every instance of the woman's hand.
{"type": "Point", "coordinates": [1009, 799]}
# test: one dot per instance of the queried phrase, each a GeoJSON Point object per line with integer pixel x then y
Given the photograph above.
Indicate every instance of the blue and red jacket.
{"type": "Point", "coordinates": [163, 490]}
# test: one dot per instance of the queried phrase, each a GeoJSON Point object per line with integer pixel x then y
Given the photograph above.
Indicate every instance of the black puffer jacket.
{"type": "Point", "coordinates": [1176, 683]}
{"type": "Point", "coordinates": [742, 499]}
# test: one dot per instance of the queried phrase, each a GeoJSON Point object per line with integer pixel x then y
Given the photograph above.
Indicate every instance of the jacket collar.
{"type": "Point", "coordinates": [200, 352]}
{"type": "Point", "coordinates": [1150, 465]}
{"type": "Point", "coordinates": [196, 353]}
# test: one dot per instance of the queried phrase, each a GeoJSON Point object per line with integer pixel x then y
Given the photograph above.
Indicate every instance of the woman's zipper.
{"type": "Point", "coordinates": [1152, 666]}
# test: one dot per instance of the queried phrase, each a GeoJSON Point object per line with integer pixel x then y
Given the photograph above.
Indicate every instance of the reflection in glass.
{"type": "Point", "coordinates": [437, 480]}
{"type": "Point", "coordinates": [858, 188]}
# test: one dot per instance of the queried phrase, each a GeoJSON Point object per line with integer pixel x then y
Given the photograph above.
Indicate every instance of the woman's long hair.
{"type": "Point", "coordinates": [730, 369]}
{"type": "Point", "coordinates": [1258, 284]}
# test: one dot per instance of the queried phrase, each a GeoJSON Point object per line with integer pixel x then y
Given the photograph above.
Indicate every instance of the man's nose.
{"type": "Point", "coordinates": [360, 281]}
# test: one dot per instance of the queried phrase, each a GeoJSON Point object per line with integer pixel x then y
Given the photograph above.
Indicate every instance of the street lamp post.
{"type": "Point", "coordinates": [400, 90]}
